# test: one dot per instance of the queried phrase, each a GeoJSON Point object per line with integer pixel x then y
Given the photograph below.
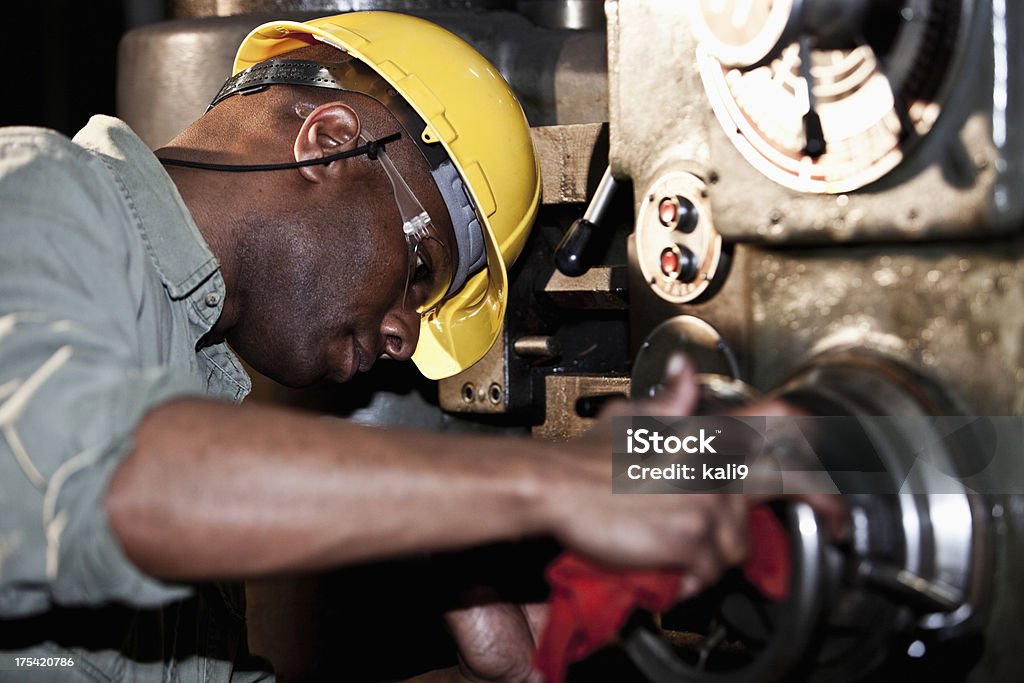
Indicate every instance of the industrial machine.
{"type": "Point", "coordinates": [823, 200]}
{"type": "Point", "coordinates": [815, 199]}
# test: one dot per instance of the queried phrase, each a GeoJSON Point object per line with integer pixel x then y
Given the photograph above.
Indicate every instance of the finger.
{"type": "Point", "coordinates": [833, 512]}
{"type": "Point", "coordinates": [680, 391]}
{"type": "Point", "coordinates": [494, 642]}
{"type": "Point", "coordinates": [707, 566]}
{"type": "Point", "coordinates": [678, 395]}
{"type": "Point", "coordinates": [773, 408]}
{"type": "Point", "coordinates": [537, 617]}
{"type": "Point", "coordinates": [703, 559]}
{"type": "Point", "coordinates": [732, 535]}
{"type": "Point", "coordinates": [620, 407]}
{"type": "Point", "coordinates": [689, 587]}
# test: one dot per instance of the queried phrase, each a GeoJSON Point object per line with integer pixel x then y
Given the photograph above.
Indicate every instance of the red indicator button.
{"type": "Point", "coordinates": [668, 212]}
{"type": "Point", "coordinates": [670, 262]}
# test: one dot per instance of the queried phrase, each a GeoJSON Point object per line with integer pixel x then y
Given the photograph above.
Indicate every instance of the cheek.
{"type": "Point", "coordinates": [366, 272]}
{"type": "Point", "coordinates": [277, 340]}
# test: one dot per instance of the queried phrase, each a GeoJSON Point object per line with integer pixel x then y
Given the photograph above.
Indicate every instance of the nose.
{"type": "Point", "coordinates": [401, 331]}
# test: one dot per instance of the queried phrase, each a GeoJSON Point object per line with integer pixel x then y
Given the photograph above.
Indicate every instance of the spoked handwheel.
{"type": "Point", "coordinates": [734, 634]}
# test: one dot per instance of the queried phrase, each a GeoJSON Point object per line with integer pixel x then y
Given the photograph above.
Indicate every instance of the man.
{"type": "Point", "coordinates": [360, 199]}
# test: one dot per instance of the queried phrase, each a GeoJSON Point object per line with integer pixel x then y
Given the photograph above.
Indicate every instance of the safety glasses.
{"type": "Point", "coordinates": [431, 269]}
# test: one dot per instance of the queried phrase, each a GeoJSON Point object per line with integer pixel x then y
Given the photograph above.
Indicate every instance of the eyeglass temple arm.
{"type": "Point", "coordinates": [414, 216]}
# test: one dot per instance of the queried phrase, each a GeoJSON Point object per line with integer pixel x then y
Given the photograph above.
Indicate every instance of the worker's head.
{"type": "Point", "coordinates": [433, 198]}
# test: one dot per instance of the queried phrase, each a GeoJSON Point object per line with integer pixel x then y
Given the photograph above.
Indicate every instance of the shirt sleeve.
{"type": "Point", "coordinates": [72, 385]}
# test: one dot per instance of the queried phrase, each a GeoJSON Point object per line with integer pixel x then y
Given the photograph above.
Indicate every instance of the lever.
{"type": "Point", "coordinates": [570, 252]}
{"type": "Point", "coordinates": [814, 136]}
{"type": "Point", "coordinates": [930, 595]}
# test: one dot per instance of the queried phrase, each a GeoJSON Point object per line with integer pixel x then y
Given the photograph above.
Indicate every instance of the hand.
{"type": "Point", "coordinates": [703, 534]}
{"type": "Point", "coordinates": [496, 640]}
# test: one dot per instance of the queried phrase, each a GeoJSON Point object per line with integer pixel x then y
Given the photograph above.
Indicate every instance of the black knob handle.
{"type": "Point", "coordinates": [814, 135]}
{"type": "Point", "coordinates": [689, 268]}
{"type": "Point", "coordinates": [570, 252]}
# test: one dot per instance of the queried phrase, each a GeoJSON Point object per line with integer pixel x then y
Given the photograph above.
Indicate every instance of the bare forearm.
{"type": "Point", "coordinates": [220, 491]}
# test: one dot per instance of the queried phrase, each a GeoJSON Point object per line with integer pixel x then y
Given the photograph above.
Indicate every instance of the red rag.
{"type": "Point", "coordinates": [589, 604]}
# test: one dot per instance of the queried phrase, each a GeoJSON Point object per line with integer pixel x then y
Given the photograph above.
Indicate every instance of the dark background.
{"type": "Point", "coordinates": [61, 58]}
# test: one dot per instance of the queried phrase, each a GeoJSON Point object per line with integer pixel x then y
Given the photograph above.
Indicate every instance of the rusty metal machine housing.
{"type": "Point", "coordinates": [858, 162]}
{"type": "Point", "coordinates": [922, 265]}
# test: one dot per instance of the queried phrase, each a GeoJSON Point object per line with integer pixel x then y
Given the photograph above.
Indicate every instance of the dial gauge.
{"type": "Point", "coordinates": [826, 106]}
{"type": "Point", "coordinates": [743, 33]}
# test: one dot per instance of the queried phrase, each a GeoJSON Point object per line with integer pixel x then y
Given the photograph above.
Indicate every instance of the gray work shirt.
{"type": "Point", "coordinates": [106, 289]}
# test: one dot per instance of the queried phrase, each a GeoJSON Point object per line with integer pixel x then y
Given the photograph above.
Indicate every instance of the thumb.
{"type": "Point", "coordinates": [679, 393]}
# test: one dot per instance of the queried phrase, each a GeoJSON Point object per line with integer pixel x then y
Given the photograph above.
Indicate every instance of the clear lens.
{"type": "Point", "coordinates": [430, 273]}
{"type": "Point", "coordinates": [430, 259]}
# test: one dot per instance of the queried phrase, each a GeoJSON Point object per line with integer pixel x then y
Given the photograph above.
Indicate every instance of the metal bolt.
{"type": "Point", "coordinates": [536, 346]}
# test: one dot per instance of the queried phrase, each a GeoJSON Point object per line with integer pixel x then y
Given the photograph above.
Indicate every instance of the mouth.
{"type": "Point", "coordinates": [361, 360]}
{"type": "Point", "coordinates": [346, 365]}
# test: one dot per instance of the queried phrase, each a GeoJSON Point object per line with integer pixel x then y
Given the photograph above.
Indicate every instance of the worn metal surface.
{"type": "Point", "coordinates": [169, 72]}
{"type": "Point", "coordinates": [600, 288]}
{"type": "Point", "coordinates": [954, 311]}
{"type": "Point", "coordinates": [924, 267]}
{"type": "Point", "coordinates": [566, 154]}
{"type": "Point", "coordinates": [481, 388]}
{"type": "Point", "coordinates": [970, 160]}
{"type": "Point", "coordinates": [961, 172]}
{"type": "Point", "coordinates": [562, 398]}
{"type": "Point", "coordinates": [657, 117]}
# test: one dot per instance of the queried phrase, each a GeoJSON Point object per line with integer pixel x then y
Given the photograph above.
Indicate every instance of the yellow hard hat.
{"type": "Point", "coordinates": [467, 108]}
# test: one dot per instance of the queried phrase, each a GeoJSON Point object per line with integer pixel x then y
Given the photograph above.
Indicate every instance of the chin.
{"type": "Point", "coordinates": [293, 378]}
{"type": "Point", "coordinates": [293, 383]}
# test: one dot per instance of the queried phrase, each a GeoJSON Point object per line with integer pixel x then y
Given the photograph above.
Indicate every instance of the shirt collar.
{"type": "Point", "coordinates": [182, 257]}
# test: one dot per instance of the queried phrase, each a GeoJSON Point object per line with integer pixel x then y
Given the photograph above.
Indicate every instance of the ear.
{"type": "Point", "coordinates": [329, 129]}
